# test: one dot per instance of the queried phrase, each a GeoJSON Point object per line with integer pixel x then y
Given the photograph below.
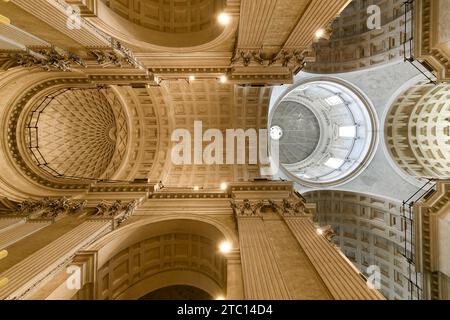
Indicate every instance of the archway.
{"type": "Point", "coordinates": [157, 253]}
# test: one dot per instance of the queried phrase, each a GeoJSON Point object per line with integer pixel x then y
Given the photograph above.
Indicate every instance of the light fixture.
{"type": "Point", "coordinates": [191, 78]}
{"type": "Point", "coordinates": [196, 188]}
{"type": "Point", "coordinates": [3, 254]}
{"type": "Point", "coordinates": [276, 133]}
{"type": "Point", "coordinates": [220, 298]}
{"type": "Point", "coordinates": [224, 19]}
{"type": "Point", "coordinates": [223, 78]}
{"type": "Point", "coordinates": [319, 231]}
{"type": "Point", "coordinates": [223, 186]}
{"type": "Point", "coordinates": [320, 33]}
{"type": "Point", "coordinates": [225, 247]}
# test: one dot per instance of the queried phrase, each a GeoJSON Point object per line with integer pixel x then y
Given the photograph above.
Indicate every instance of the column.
{"type": "Point", "coordinates": [261, 274]}
{"type": "Point", "coordinates": [342, 279]}
{"type": "Point", "coordinates": [235, 288]}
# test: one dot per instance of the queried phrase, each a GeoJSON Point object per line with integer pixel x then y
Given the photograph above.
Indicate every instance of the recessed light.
{"type": "Point", "coordinates": [320, 33]}
{"type": "Point", "coordinates": [223, 78]}
{"type": "Point", "coordinates": [224, 19]}
{"type": "Point", "coordinates": [225, 247]}
{"type": "Point", "coordinates": [191, 78]}
{"type": "Point", "coordinates": [223, 186]}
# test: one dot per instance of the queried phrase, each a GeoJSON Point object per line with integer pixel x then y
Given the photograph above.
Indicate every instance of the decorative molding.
{"type": "Point", "coordinates": [50, 208]}
{"type": "Point", "coordinates": [49, 59]}
{"type": "Point", "coordinates": [292, 207]}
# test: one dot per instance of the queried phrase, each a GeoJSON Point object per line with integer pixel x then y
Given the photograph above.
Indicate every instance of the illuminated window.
{"type": "Point", "coordinates": [347, 132]}
{"type": "Point", "coordinates": [334, 100]}
{"type": "Point", "coordinates": [334, 163]}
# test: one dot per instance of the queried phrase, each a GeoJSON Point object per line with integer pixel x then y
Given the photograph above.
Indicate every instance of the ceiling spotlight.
{"type": "Point", "coordinates": [276, 133]}
{"type": "Point", "coordinates": [223, 186]}
{"type": "Point", "coordinates": [220, 298]}
{"type": "Point", "coordinates": [225, 247]}
{"type": "Point", "coordinates": [224, 19]}
{"type": "Point", "coordinates": [196, 188]}
{"type": "Point", "coordinates": [191, 78]}
{"type": "Point", "coordinates": [223, 79]}
{"type": "Point", "coordinates": [320, 231]}
{"type": "Point", "coordinates": [3, 254]}
{"type": "Point", "coordinates": [320, 33]}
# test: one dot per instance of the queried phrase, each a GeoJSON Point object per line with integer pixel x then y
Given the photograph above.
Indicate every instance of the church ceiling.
{"type": "Point", "coordinates": [172, 16]}
{"type": "Point", "coordinates": [74, 133]}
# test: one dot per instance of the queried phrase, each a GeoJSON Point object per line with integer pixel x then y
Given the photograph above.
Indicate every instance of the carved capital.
{"type": "Point", "coordinates": [293, 208]}
{"type": "Point", "coordinates": [49, 208]}
{"type": "Point", "coordinates": [116, 210]}
{"type": "Point", "coordinates": [49, 59]}
{"type": "Point", "coordinates": [244, 208]}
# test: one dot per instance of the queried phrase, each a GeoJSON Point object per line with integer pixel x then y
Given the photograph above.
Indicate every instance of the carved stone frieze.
{"type": "Point", "coordinates": [292, 207]}
{"type": "Point", "coordinates": [115, 210]}
{"type": "Point", "coordinates": [116, 56]}
{"type": "Point", "coordinates": [291, 59]}
{"type": "Point", "coordinates": [49, 208]}
{"type": "Point", "coordinates": [244, 208]}
{"type": "Point", "coordinates": [49, 59]}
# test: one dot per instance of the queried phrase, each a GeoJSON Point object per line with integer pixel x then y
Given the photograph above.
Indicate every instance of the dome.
{"type": "Point", "coordinates": [327, 132]}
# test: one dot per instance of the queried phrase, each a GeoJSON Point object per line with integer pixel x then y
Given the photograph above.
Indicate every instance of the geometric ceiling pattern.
{"type": "Point", "coordinates": [76, 134]}
{"type": "Point", "coordinates": [172, 16]}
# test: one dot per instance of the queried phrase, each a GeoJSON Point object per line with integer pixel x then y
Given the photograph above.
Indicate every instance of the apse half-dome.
{"type": "Point", "coordinates": [328, 132]}
{"type": "Point", "coordinates": [73, 133]}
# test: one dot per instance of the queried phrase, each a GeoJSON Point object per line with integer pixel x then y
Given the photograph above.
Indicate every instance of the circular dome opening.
{"type": "Point", "coordinates": [327, 132]}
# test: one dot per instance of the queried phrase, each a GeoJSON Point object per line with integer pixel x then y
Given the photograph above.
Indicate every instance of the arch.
{"type": "Point", "coordinates": [121, 238]}
{"type": "Point", "coordinates": [17, 87]}
{"type": "Point", "coordinates": [157, 252]}
{"type": "Point", "coordinates": [172, 278]}
{"type": "Point", "coordinates": [146, 38]}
